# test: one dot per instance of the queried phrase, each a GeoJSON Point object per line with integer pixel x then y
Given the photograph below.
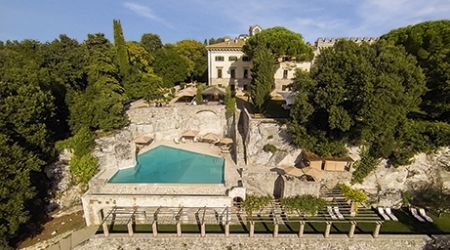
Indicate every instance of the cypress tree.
{"type": "Point", "coordinates": [262, 78]}
{"type": "Point", "coordinates": [121, 49]}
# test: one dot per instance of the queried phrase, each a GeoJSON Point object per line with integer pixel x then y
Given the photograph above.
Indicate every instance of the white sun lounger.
{"type": "Point", "coordinates": [389, 212]}
{"type": "Point", "coordinates": [330, 212]}
{"type": "Point", "coordinates": [414, 213]}
{"type": "Point", "coordinates": [424, 215]}
{"type": "Point", "coordinates": [338, 213]}
{"type": "Point", "coordinates": [381, 212]}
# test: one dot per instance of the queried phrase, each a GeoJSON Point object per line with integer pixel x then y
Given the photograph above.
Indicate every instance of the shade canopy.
{"type": "Point", "coordinates": [189, 91]}
{"type": "Point", "coordinates": [292, 171]}
{"type": "Point", "coordinates": [314, 173]}
{"type": "Point", "coordinates": [211, 138]}
{"type": "Point", "coordinates": [190, 133]}
{"type": "Point", "coordinates": [144, 139]}
{"type": "Point", "coordinates": [214, 91]}
{"type": "Point", "coordinates": [226, 141]}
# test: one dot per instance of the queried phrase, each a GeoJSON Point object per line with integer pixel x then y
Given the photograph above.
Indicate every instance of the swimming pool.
{"type": "Point", "coordinates": [165, 164]}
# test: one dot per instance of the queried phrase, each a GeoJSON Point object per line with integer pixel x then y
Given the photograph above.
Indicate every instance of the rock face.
{"type": "Point", "coordinates": [166, 123]}
{"type": "Point", "coordinates": [65, 193]}
{"type": "Point", "coordinates": [116, 151]}
{"type": "Point", "coordinates": [387, 183]}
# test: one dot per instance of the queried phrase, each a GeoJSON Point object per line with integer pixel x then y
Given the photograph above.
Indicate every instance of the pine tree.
{"type": "Point", "coordinates": [121, 49]}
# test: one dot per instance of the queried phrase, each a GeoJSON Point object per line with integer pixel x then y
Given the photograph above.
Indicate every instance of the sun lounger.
{"type": "Point", "coordinates": [330, 212]}
{"type": "Point", "coordinates": [389, 212]}
{"type": "Point", "coordinates": [424, 215]}
{"type": "Point", "coordinates": [176, 140]}
{"type": "Point", "coordinates": [338, 213]}
{"type": "Point", "coordinates": [381, 212]}
{"type": "Point", "coordinates": [414, 213]}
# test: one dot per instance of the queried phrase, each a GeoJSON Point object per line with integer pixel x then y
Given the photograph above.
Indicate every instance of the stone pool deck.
{"type": "Point", "coordinates": [103, 196]}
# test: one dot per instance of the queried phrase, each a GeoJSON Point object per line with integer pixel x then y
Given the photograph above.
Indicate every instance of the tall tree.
{"type": "Point", "coordinates": [196, 53]}
{"type": "Point", "coordinates": [362, 93]}
{"type": "Point", "coordinates": [142, 82]}
{"type": "Point", "coordinates": [265, 48]}
{"type": "Point", "coordinates": [151, 42]}
{"type": "Point", "coordinates": [121, 49]}
{"type": "Point", "coordinates": [172, 67]}
{"type": "Point", "coordinates": [101, 105]}
{"type": "Point", "coordinates": [429, 42]}
{"type": "Point", "coordinates": [281, 42]}
{"type": "Point", "coordinates": [262, 78]}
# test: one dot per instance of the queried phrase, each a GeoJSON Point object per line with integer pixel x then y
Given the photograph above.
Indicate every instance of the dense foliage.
{"type": "Point", "coordinates": [364, 167]}
{"type": "Point", "coordinates": [359, 94]}
{"type": "Point", "coordinates": [306, 204]}
{"type": "Point", "coordinates": [281, 42]}
{"type": "Point", "coordinates": [429, 42]}
{"type": "Point", "coordinates": [66, 91]}
{"type": "Point", "coordinates": [171, 66]}
{"type": "Point", "coordinates": [262, 78]}
{"type": "Point", "coordinates": [230, 103]}
{"type": "Point", "coordinates": [265, 48]}
{"type": "Point", "coordinates": [352, 194]}
{"type": "Point", "coordinates": [253, 203]}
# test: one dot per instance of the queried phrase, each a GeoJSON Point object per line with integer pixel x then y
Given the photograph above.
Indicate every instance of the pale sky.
{"type": "Point", "coordinates": [175, 20]}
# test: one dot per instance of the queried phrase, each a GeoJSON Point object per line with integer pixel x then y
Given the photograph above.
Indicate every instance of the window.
{"type": "Point", "coordinates": [286, 59]}
{"type": "Point", "coordinates": [219, 73]}
{"type": "Point", "coordinates": [220, 58]}
{"type": "Point", "coordinates": [232, 58]}
{"type": "Point", "coordinates": [245, 73]}
{"type": "Point", "coordinates": [232, 73]}
{"type": "Point", "coordinates": [245, 59]}
{"type": "Point", "coordinates": [285, 74]}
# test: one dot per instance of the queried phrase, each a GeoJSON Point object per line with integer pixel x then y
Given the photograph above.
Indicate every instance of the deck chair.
{"type": "Point", "coordinates": [338, 213]}
{"type": "Point", "coordinates": [390, 214]}
{"type": "Point", "coordinates": [381, 212]}
{"type": "Point", "coordinates": [330, 212]}
{"type": "Point", "coordinates": [424, 215]}
{"type": "Point", "coordinates": [414, 213]}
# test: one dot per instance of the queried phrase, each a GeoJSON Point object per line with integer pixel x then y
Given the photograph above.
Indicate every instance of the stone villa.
{"type": "Point", "coordinates": [229, 66]}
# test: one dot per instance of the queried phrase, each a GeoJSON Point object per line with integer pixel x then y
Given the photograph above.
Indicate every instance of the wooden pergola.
{"type": "Point", "coordinates": [274, 214]}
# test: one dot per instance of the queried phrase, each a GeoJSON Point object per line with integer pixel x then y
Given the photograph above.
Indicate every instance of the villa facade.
{"type": "Point", "coordinates": [229, 66]}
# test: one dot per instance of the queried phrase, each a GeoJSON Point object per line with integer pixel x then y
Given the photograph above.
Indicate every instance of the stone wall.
{"type": "Point", "coordinates": [166, 123]}
{"type": "Point", "coordinates": [93, 204]}
{"type": "Point", "coordinates": [386, 183]}
{"type": "Point", "coordinates": [212, 242]}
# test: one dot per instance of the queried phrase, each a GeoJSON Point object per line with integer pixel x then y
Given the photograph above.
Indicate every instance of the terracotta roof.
{"type": "Point", "coordinates": [238, 43]}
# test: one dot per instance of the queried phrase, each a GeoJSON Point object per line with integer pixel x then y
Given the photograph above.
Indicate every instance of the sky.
{"type": "Point", "coordinates": [175, 20]}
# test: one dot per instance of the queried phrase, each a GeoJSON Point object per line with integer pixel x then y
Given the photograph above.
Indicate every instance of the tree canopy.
{"type": "Point", "coordinates": [172, 67]}
{"type": "Point", "coordinates": [151, 42]}
{"type": "Point", "coordinates": [356, 94]}
{"type": "Point", "coordinates": [196, 54]}
{"type": "Point", "coordinates": [429, 42]}
{"type": "Point", "coordinates": [281, 42]}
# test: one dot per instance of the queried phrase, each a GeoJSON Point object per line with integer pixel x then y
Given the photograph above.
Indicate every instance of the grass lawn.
{"type": "Point", "coordinates": [406, 225]}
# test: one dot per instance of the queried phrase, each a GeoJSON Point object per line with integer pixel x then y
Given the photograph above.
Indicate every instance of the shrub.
{"type": "Point", "coordinates": [83, 167]}
{"type": "Point", "coordinates": [230, 103]}
{"type": "Point", "coordinates": [253, 203]}
{"type": "Point", "coordinates": [270, 148]}
{"type": "Point", "coordinates": [354, 195]}
{"type": "Point", "coordinates": [307, 204]}
{"type": "Point", "coordinates": [364, 167]}
{"type": "Point", "coordinates": [81, 143]}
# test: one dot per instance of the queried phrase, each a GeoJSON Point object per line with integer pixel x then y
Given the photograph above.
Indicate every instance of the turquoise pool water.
{"type": "Point", "coordinates": [165, 164]}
